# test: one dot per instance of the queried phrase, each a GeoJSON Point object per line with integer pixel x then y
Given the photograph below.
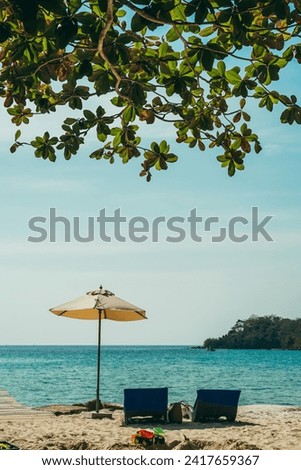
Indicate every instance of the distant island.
{"type": "Point", "coordinates": [267, 332]}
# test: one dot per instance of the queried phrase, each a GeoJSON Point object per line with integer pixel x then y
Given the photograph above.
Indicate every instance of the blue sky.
{"type": "Point", "coordinates": [190, 290]}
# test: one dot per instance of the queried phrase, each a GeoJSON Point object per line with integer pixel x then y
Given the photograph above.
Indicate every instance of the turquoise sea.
{"type": "Point", "coordinates": [41, 375]}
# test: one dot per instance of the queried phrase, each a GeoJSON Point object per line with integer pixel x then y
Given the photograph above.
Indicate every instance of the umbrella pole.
{"type": "Point", "coordinates": [98, 402]}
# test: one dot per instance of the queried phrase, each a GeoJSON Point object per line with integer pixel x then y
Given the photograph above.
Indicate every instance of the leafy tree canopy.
{"type": "Point", "coordinates": [260, 333]}
{"type": "Point", "coordinates": [192, 63]}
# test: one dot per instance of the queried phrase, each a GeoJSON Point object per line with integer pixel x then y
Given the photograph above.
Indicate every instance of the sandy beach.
{"type": "Point", "coordinates": [256, 427]}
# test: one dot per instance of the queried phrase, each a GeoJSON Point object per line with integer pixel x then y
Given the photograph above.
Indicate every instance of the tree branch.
{"type": "Point", "coordinates": [100, 48]}
{"type": "Point", "coordinates": [145, 15]}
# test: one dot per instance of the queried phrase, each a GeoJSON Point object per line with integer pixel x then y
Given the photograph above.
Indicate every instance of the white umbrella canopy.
{"type": "Point", "coordinates": [99, 305]}
{"type": "Point", "coordinates": [88, 307]}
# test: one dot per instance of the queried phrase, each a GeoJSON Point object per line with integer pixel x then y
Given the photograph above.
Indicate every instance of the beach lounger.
{"type": "Point", "coordinates": [212, 404]}
{"type": "Point", "coordinates": [145, 402]}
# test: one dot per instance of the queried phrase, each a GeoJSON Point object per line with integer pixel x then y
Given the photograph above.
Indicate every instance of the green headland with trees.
{"type": "Point", "coordinates": [267, 332]}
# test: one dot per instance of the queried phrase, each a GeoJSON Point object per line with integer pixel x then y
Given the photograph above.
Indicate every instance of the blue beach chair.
{"type": "Point", "coordinates": [145, 402]}
{"type": "Point", "coordinates": [212, 404]}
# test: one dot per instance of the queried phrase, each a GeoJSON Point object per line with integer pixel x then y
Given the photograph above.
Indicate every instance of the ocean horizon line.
{"type": "Point", "coordinates": [102, 345]}
{"type": "Point", "coordinates": [192, 346]}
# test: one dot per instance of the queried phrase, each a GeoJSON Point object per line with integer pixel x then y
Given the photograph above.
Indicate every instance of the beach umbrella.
{"type": "Point", "coordinates": [99, 305]}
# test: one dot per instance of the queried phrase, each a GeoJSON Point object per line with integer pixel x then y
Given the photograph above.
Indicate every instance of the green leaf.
{"type": "Point", "coordinates": [155, 147]}
{"type": "Point", "coordinates": [221, 67]}
{"type": "Point", "coordinates": [257, 147]}
{"type": "Point", "coordinates": [17, 134]}
{"type": "Point", "coordinates": [164, 147]}
{"type": "Point", "coordinates": [137, 23]}
{"type": "Point", "coordinates": [74, 5]}
{"type": "Point", "coordinates": [56, 6]}
{"type": "Point", "coordinates": [297, 114]}
{"type": "Point", "coordinates": [281, 9]}
{"type": "Point", "coordinates": [244, 5]}
{"type": "Point", "coordinates": [259, 51]}
{"type": "Point", "coordinates": [201, 13]}
{"type": "Point", "coordinates": [140, 2]}
{"type": "Point", "coordinates": [245, 146]}
{"type": "Point", "coordinates": [86, 18]}
{"type": "Point", "coordinates": [231, 169]}
{"type": "Point", "coordinates": [178, 13]}
{"type": "Point", "coordinates": [207, 31]}
{"type": "Point", "coordinates": [97, 154]}
{"type": "Point", "coordinates": [70, 121]}
{"type": "Point", "coordinates": [129, 114]}
{"type": "Point", "coordinates": [89, 115]}
{"type": "Point", "coordinates": [207, 60]}
{"type": "Point", "coordinates": [233, 76]}
{"type": "Point", "coordinates": [171, 158]}
{"type": "Point", "coordinates": [65, 32]}
{"type": "Point", "coordinates": [163, 49]}
{"type": "Point", "coordinates": [172, 35]}
{"type": "Point", "coordinates": [100, 112]}
{"type": "Point", "coordinates": [288, 54]}
{"type": "Point", "coordinates": [285, 115]}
